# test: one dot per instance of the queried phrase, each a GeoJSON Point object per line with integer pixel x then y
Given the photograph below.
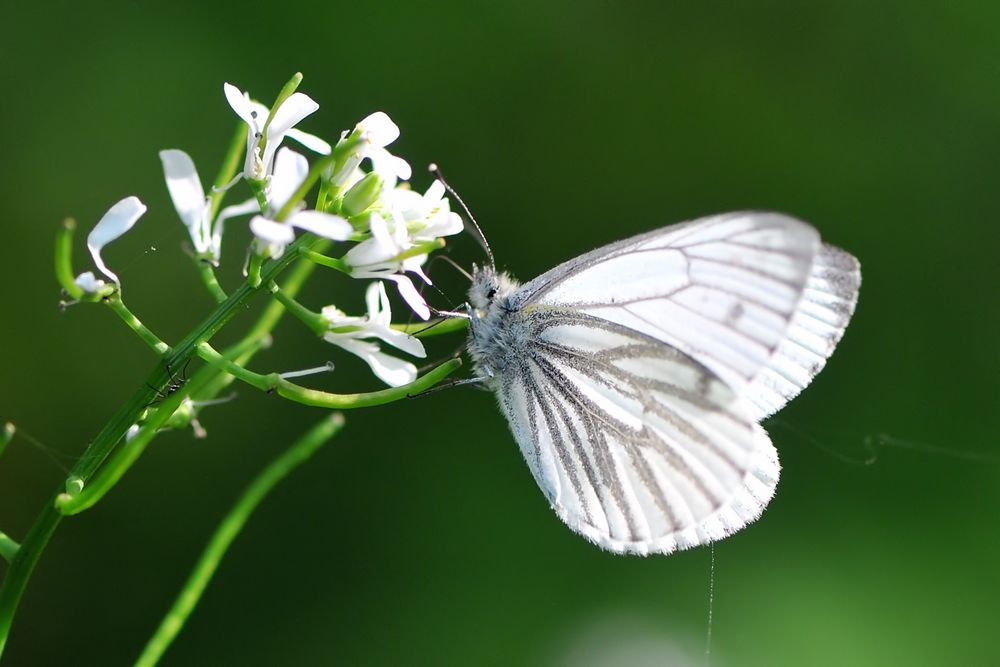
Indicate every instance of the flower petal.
{"type": "Point", "coordinates": [391, 370]}
{"type": "Point", "coordinates": [322, 224]}
{"type": "Point", "coordinates": [387, 165]}
{"type": "Point", "coordinates": [379, 128]}
{"type": "Point", "coordinates": [290, 169]}
{"type": "Point", "coordinates": [435, 193]}
{"type": "Point", "coordinates": [399, 167]}
{"type": "Point", "coordinates": [240, 103]}
{"type": "Point", "coordinates": [291, 111]}
{"type": "Point", "coordinates": [379, 248]}
{"type": "Point", "coordinates": [271, 231]}
{"type": "Point", "coordinates": [401, 341]}
{"type": "Point", "coordinates": [118, 220]}
{"type": "Point", "coordinates": [310, 141]}
{"type": "Point", "coordinates": [187, 194]}
{"type": "Point", "coordinates": [411, 296]}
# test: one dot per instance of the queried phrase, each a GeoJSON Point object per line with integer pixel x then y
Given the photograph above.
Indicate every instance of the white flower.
{"type": "Point", "coordinates": [376, 258]}
{"type": "Point", "coordinates": [296, 107]}
{"type": "Point", "coordinates": [377, 131]}
{"type": "Point", "coordinates": [349, 333]}
{"type": "Point", "coordinates": [290, 170]}
{"type": "Point", "coordinates": [119, 219]}
{"type": "Point", "coordinates": [194, 208]}
{"type": "Point", "coordinates": [428, 216]}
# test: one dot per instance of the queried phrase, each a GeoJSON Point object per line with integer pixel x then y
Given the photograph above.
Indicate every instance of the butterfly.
{"type": "Point", "coordinates": [635, 377]}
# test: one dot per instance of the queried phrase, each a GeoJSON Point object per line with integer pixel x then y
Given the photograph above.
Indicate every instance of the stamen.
{"type": "Point", "coordinates": [325, 368]}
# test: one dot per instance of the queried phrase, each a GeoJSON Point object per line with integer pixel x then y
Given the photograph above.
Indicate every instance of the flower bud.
{"type": "Point", "coordinates": [363, 194]}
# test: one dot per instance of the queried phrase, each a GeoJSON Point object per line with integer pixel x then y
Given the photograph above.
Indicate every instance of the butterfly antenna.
{"type": "Point", "coordinates": [454, 264]}
{"type": "Point", "coordinates": [480, 237]}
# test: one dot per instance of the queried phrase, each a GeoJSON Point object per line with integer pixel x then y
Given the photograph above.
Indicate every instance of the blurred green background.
{"type": "Point", "coordinates": [418, 536]}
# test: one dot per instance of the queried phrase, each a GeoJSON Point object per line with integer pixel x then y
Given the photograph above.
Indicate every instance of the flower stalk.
{"type": "Point", "coordinates": [274, 382]}
{"type": "Point", "coordinates": [229, 528]}
{"type": "Point", "coordinates": [363, 199]}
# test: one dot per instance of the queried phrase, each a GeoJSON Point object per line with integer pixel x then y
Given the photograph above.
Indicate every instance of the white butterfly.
{"type": "Point", "coordinates": [634, 376]}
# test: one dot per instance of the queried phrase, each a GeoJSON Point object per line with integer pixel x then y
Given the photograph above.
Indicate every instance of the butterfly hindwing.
{"type": "Point", "coordinates": [636, 445]}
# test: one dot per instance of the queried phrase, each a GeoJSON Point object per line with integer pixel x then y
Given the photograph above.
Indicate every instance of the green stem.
{"type": "Point", "coordinates": [64, 259]}
{"type": "Point", "coordinates": [211, 281]}
{"type": "Point", "coordinates": [104, 444]}
{"type": "Point", "coordinates": [228, 529]}
{"type": "Point", "coordinates": [253, 270]}
{"type": "Point", "coordinates": [8, 547]}
{"type": "Point", "coordinates": [259, 189]}
{"type": "Point", "coordinates": [323, 260]}
{"type": "Point", "coordinates": [241, 353]}
{"type": "Point", "coordinates": [230, 165]}
{"type": "Point", "coordinates": [115, 303]}
{"type": "Point", "coordinates": [322, 399]}
{"type": "Point", "coordinates": [23, 564]}
{"type": "Point", "coordinates": [311, 319]}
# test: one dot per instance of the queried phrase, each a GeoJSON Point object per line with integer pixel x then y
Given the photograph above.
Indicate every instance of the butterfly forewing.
{"type": "Point", "coordinates": [721, 289]}
{"type": "Point", "coordinates": [637, 446]}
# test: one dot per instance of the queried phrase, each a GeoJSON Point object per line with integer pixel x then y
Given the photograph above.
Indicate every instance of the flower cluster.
{"type": "Point", "coordinates": [364, 199]}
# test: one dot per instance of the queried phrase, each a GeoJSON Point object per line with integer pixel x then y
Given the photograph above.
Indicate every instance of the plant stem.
{"type": "Point", "coordinates": [104, 444]}
{"type": "Point", "coordinates": [311, 319]}
{"type": "Point", "coordinates": [228, 529]}
{"type": "Point", "coordinates": [64, 259]}
{"type": "Point", "coordinates": [324, 399]}
{"type": "Point", "coordinates": [121, 310]}
{"type": "Point", "coordinates": [323, 260]}
{"type": "Point", "coordinates": [21, 567]}
{"type": "Point", "coordinates": [208, 277]}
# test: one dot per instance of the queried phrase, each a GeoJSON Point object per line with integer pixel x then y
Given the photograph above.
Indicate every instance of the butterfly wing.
{"type": "Point", "coordinates": [637, 446]}
{"type": "Point", "coordinates": [816, 326]}
{"type": "Point", "coordinates": [754, 296]}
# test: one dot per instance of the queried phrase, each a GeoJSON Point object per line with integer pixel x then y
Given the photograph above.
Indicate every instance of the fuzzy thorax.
{"type": "Point", "coordinates": [494, 334]}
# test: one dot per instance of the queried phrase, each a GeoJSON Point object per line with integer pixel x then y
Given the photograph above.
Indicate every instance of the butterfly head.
{"type": "Point", "coordinates": [488, 288]}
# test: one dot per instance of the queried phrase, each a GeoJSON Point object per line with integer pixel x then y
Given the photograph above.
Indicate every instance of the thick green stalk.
{"type": "Point", "coordinates": [121, 310]}
{"type": "Point", "coordinates": [227, 531]}
{"type": "Point", "coordinates": [323, 399]}
{"type": "Point", "coordinates": [113, 432]}
{"type": "Point", "coordinates": [208, 277]}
